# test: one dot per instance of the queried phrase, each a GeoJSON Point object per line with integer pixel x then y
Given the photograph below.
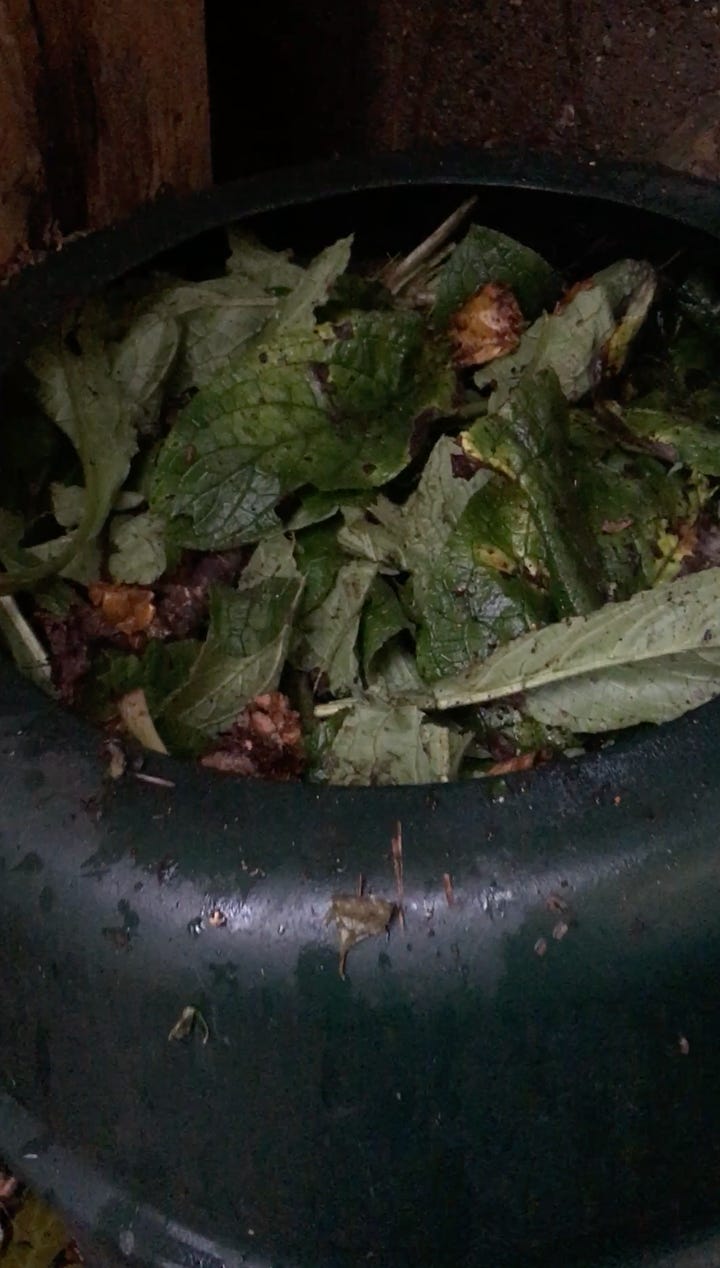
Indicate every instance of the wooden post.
{"type": "Point", "coordinates": [102, 104]}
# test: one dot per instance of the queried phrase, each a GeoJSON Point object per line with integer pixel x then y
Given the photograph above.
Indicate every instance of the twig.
{"type": "Point", "coordinates": [153, 779]}
{"type": "Point", "coordinates": [26, 649]}
{"type": "Point", "coordinates": [397, 857]}
{"type": "Point", "coordinates": [331, 707]}
{"type": "Point", "coordinates": [449, 891]}
{"type": "Point", "coordinates": [395, 276]}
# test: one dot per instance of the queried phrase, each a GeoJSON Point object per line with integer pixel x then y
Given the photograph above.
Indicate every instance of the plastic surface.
{"type": "Point", "coordinates": [526, 1073]}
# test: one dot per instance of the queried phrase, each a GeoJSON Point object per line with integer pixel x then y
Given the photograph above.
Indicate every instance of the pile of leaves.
{"type": "Point", "coordinates": [450, 517]}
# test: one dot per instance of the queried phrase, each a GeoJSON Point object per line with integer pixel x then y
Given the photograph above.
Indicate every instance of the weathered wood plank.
{"type": "Point", "coordinates": [102, 103]}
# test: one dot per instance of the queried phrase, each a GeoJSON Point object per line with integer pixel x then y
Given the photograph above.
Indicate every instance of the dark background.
{"type": "Point", "coordinates": [301, 80]}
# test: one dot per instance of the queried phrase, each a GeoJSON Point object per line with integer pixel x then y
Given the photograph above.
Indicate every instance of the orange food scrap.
{"type": "Point", "coordinates": [129, 608]}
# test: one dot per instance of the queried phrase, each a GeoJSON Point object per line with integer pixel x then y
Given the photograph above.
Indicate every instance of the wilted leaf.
{"type": "Point", "coordinates": [335, 412]}
{"type": "Point", "coordinates": [243, 655]}
{"type": "Point", "coordinates": [380, 743]}
{"type": "Point", "coordinates": [262, 292]}
{"type": "Point", "coordinates": [586, 338]}
{"type": "Point", "coordinates": [682, 439]}
{"type": "Point", "coordinates": [415, 533]}
{"type": "Point", "coordinates": [488, 325]}
{"type": "Point", "coordinates": [486, 255]}
{"type": "Point", "coordinates": [326, 638]}
{"type": "Point", "coordinates": [357, 918]}
{"type": "Point", "coordinates": [648, 659]}
{"type": "Point", "coordinates": [382, 620]}
{"type": "Point", "coordinates": [157, 672]}
{"type": "Point", "coordinates": [138, 548]}
{"type": "Point", "coordinates": [528, 441]}
{"type": "Point", "coordinates": [467, 608]}
{"type": "Point", "coordinates": [136, 719]}
{"type": "Point", "coordinates": [99, 393]}
{"type": "Point", "coordinates": [190, 1018]}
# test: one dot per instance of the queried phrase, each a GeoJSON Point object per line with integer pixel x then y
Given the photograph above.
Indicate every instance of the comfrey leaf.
{"type": "Point", "coordinates": [486, 255]}
{"type": "Point", "coordinates": [380, 743]}
{"type": "Point", "coordinates": [99, 393]}
{"type": "Point", "coordinates": [262, 291]}
{"type": "Point", "coordinates": [412, 534]}
{"type": "Point", "coordinates": [588, 336]}
{"type": "Point", "coordinates": [383, 619]}
{"type": "Point", "coordinates": [648, 659]}
{"type": "Point", "coordinates": [325, 640]}
{"type": "Point", "coordinates": [528, 441]}
{"type": "Point", "coordinates": [243, 655]}
{"type": "Point", "coordinates": [334, 411]}
{"type": "Point", "coordinates": [678, 439]}
{"type": "Point", "coordinates": [467, 608]}
{"type": "Point", "coordinates": [138, 554]}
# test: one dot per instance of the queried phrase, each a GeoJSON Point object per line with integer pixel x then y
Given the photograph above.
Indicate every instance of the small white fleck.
{"type": "Point", "coordinates": [126, 1241]}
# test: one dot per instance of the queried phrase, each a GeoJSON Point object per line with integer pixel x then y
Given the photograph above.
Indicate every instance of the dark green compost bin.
{"type": "Point", "coordinates": [458, 1099]}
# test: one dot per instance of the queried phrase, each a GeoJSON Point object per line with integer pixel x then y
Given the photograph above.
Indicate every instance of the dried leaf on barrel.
{"type": "Point", "coordinates": [357, 918]}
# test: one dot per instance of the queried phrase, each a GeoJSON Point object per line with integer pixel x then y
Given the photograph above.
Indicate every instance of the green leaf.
{"type": "Point", "coordinates": [159, 671]}
{"type": "Point", "coordinates": [272, 558]}
{"type": "Point", "coordinates": [588, 335]}
{"type": "Point", "coordinates": [630, 502]}
{"type": "Point", "coordinates": [466, 608]}
{"type": "Point", "coordinates": [315, 508]}
{"type": "Point", "coordinates": [649, 659]}
{"type": "Point", "coordinates": [68, 503]}
{"type": "Point", "coordinates": [84, 564]}
{"type": "Point", "coordinates": [699, 302]}
{"type": "Point", "coordinates": [486, 255]}
{"type": "Point", "coordinates": [380, 743]}
{"type": "Point", "coordinates": [98, 393]}
{"type": "Point", "coordinates": [141, 364]}
{"type": "Point", "coordinates": [319, 558]}
{"type": "Point", "coordinates": [406, 536]}
{"type": "Point", "coordinates": [138, 554]}
{"type": "Point", "coordinates": [688, 442]}
{"type": "Point", "coordinates": [220, 500]}
{"type": "Point", "coordinates": [315, 409]}
{"type": "Point", "coordinates": [383, 618]}
{"type": "Point", "coordinates": [243, 656]}
{"type": "Point", "coordinates": [528, 441]}
{"type": "Point", "coordinates": [325, 641]}
{"type": "Point", "coordinates": [220, 318]}
{"type": "Point", "coordinates": [297, 310]}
